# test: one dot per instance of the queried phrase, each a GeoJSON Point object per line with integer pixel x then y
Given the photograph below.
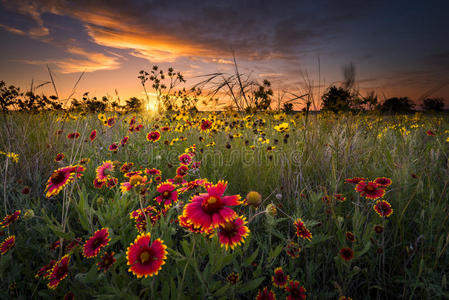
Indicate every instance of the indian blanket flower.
{"type": "Point", "coordinates": [140, 217]}
{"type": "Point", "coordinates": [113, 147]}
{"type": "Point", "coordinates": [339, 197]}
{"type": "Point", "coordinates": [350, 236]}
{"type": "Point", "coordinates": [104, 170]}
{"type": "Point", "coordinates": [59, 157]}
{"type": "Point", "coordinates": [206, 124]}
{"type": "Point", "coordinates": [182, 170]}
{"type": "Point", "coordinates": [168, 194]}
{"type": "Point", "coordinates": [45, 271]}
{"type": "Point", "coordinates": [153, 172]}
{"type": "Point", "coordinates": [185, 159]}
{"type": "Point", "coordinates": [266, 294]}
{"type": "Point", "coordinates": [93, 135]}
{"type": "Point", "coordinates": [73, 135]}
{"type": "Point", "coordinates": [370, 189]}
{"type": "Point", "coordinates": [354, 180]}
{"type": "Point", "coordinates": [280, 279]}
{"type": "Point", "coordinates": [98, 184]}
{"type": "Point", "coordinates": [430, 133]}
{"type": "Point", "coordinates": [185, 223]}
{"type": "Point", "coordinates": [383, 208]}
{"type": "Point", "coordinates": [232, 278]}
{"type": "Point", "coordinates": [94, 244]}
{"type": "Point", "coordinates": [107, 260]}
{"type": "Point", "coordinates": [110, 122]}
{"type": "Point", "coordinates": [293, 249]}
{"type": "Point", "coordinates": [124, 141]}
{"type": "Point", "coordinates": [58, 180]}
{"type": "Point", "coordinates": [383, 182]}
{"type": "Point", "coordinates": [126, 167]}
{"type": "Point", "coordinates": [153, 136]}
{"type": "Point", "coordinates": [146, 258]}
{"type": "Point", "coordinates": [295, 291]}
{"type": "Point", "coordinates": [232, 233]}
{"type": "Point", "coordinates": [212, 209]}
{"type": "Point", "coordinates": [301, 230]}
{"type": "Point", "coordinates": [59, 272]}
{"type": "Point", "coordinates": [191, 185]}
{"type": "Point", "coordinates": [7, 244]}
{"type": "Point", "coordinates": [378, 229]}
{"type": "Point", "coordinates": [9, 219]}
{"type": "Point", "coordinates": [346, 254]}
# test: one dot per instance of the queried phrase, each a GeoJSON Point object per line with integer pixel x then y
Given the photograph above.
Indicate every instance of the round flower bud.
{"type": "Point", "coordinates": [29, 213]}
{"type": "Point", "coordinates": [271, 210]}
{"type": "Point", "coordinates": [254, 199]}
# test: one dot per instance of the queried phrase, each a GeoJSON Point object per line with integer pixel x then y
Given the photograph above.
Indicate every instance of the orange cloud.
{"type": "Point", "coordinates": [89, 62]}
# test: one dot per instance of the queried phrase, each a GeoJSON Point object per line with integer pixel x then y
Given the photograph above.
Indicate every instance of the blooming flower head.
{"type": "Point", "coordinates": [283, 127]}
{"type": "Point", "coordinates": [45, 271]}
{"type": "Point", "coordinates": [232, 278]}
{"type": "Point", "coordinates": [301, 230]}
{"type": "Point", "coordinates": [94, 244]}
{"type": "Point", "coordinates": [212, 208]}
{"type": "Point", "coordinates": [9, 219]}
{"type": "Point", "coordinates": [59, 272]}
{"type": "Point", "coordinates": [280, 279]}
{"type": "Point", "coordinates": [153, 172]}
{"type": "Point", "coordinates": [185, 159]}
{"type": "Point", "coordinates": [93, 135]}
{"type": "Point", "coordinates": [383, 208]}
{"type": "Point", "coordinates": [191, 185]}
{"type": "Point", "coordinates": [293, 249]}
{"type": "Point", "coordinates": [7, 244]}
{"type": "Point", "coordinates": [182, 170]}
{"type": "Point", "coordinates": [340, 197]}
{"type": "Point", "coordinates": [430, 133]}
{"type": "Point", "coordinates": [378, 229]}
{"type": "Point", "coordinates": [346, 254]}
{"type": "Point", "coordinates": [232, 233]}
{"type": "Point", "coordinates": [104, 170]}
{"type": "Point", "coordinates": [146, 258]}
{"type": "Point", "coordinates": [126, 167]}
{"type": "Point", "coordinates": [140, 217]}
{"type": "Point", "coordinates": [98, 184]}
{"type": "Point", "coordinates": [350, 236]}
{"type": "Point", "coordinates": [383, 182]}
{"type": "Point", "coordinates": [113, 147]}
{"type": "Point", "coordinates": [73, 135]}
{"type": "Point", "coordinates": [153, 136]}
{"type": "Point", "coordinates": [111, 182]}
{"type": "Point", "coordinates": [185, 223]}
{"type": "Point", "coordinates": [107, 260]}
{"type": "Point", "coordinates": [354, 180]}
{"type": "Point", "coordinates": [370, 190]}
{"type": "Point", "coordinates": [177, 180]}
{"type": "Point", "coordinates": [206, 124]}
{"type": "Point", "coordinates": [295, 291]}
{"type": "Point", "coordinates": [58, 180]}
{"type": "Point", "coordinates": [110, 122]}
{"type": "Point", "coordinates": [266, 294]}
{"type": "Point", "coordinates": [59, 157]}
{"type": "Point", "coordinates": [124, 140]}
{"type": "Point", "coordinates": [168, 194]}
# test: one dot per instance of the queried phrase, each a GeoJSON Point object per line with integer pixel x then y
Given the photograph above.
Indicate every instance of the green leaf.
{"type": "Point", "coordinates": [251, 285]}
{"type": "Point", "coordinates": [253, 256]}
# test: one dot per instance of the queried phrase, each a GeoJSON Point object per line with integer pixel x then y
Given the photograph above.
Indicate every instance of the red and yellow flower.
{"type": "Point", "coordinates": [280, 279]}
{"type": "Point", "coordinates": [168, 194]}
{"type": "Point", "coordinates": [370, 189]}
{"type": "Point", "coordinates": [9, 219]}
{"type": "Point", "coordinates": [59, 272]}
{"type": "Point", "coordinates": [153, 136]}
{"type": "Point", "coordinates": [346, 254]}
{"type": "Point", "coordinates": [104, 170]}
{"type": "Point", "coordinates": [146, 258]}
{"type": "Point", "coordinates": [293, 249]}
{"type": "Point", "coordinates": [7, 244]}
{"type": "Point", "coordinates": [266, 294]}
{"type": "Point", "coordinates": [93, 135]}
{"type": "Point", "coordinates": [383, 182]}
{"type": "Point", "coordinates": [232, 233]}
{"type": "Point", "coordinates": [59, 179]}
{"type": "Point", "coordinates": [301, 230]}
{"type": "Point", "coordinates": [212, 209]}
{"type": "Point", "coordinates": [107, 260]}
{"type": "Point", "coordinates": [95, 243]}
{"type": "Point", "coordinates": [295, 291]}
{"type": "Point", "coordinates": [383, 208]}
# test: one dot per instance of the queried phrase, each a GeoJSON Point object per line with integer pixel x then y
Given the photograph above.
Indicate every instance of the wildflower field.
{"type": "Point", "coordinates": [224, 205]}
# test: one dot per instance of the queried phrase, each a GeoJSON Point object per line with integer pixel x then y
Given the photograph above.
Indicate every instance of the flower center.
{"type": "Point", "coordinates": [57, 177]}
{"type": "Point", "coordinates": [211, 204]}
{"type": "Point", "coordinates": [166, 195]}
{"type": "Point", "coordinates": [145, 256]}
{"type": "Point", "coordinates": [370, 188]}
{"type": "Point", "coordinates": [135, 180]}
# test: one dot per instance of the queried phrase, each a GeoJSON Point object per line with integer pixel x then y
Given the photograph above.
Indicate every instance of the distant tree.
{"type": "Point", "coordinates": [134, 104]}
{"type": "Point", "coordinates": [8, 96]}
{"type": "Point", "coordinates": [262, 96]}
{"type": "Point", "coordinates": [288, 107]}
{"type": "Point", "coordinates": [397, 105]}
{"type": "Point", "coordinates": [337, 99]}
{"type": "Point", "coordinates": [433, 104]}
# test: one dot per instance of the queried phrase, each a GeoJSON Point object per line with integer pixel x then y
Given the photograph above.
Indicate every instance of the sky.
{"type": "Point", "coordinates": [399, 48]}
